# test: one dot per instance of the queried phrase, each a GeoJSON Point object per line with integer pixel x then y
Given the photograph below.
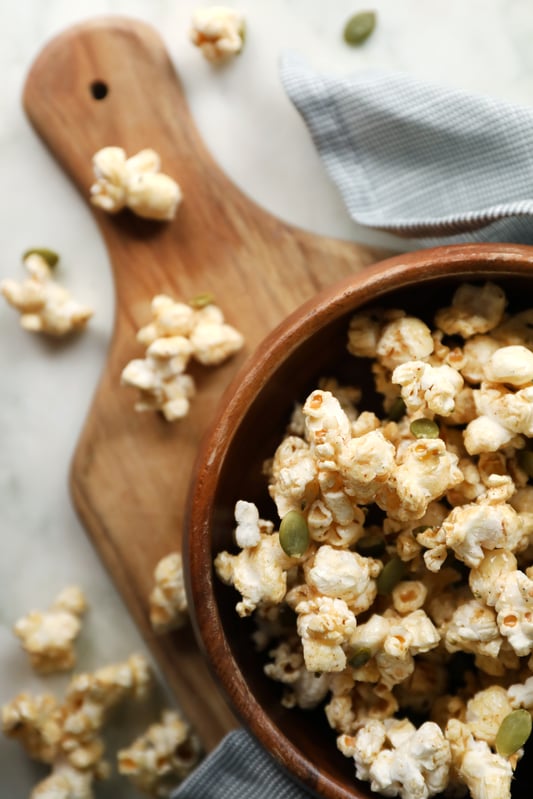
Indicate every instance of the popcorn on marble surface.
{"type": "Point", "coordinates": [177, 334]}
{"type": "Point", "coordinates": [45, 306]}
{"type": "Point", "coordinates": [168, 600]}
{"type": "Point", "coordinates": [159, 759]}
{"type": "Point", "coordinates": [67, 736]}
{"type": "Point", "coordinates": [134, 182]}
{"type": "Point", "coordinates": [48, 637]}
{"type": "Point", "coordinates": [219, 32]}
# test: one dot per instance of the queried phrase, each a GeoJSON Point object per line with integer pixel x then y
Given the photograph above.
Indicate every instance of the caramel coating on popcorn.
{"type": "Point", "coordinates": [177, 334]}
{"type": "Point", "coordinates": [161, 757]}
{"type": "Point", "coordinates": [48, 637]}
{"type": "Point", "coordinates": [45, 306]}
{"type": "Point", "coordinates": [67, 736]}
{"type": "Point", "coordinates": [168, 600]}
{"type": "Point", "coordinates": [420, 549]}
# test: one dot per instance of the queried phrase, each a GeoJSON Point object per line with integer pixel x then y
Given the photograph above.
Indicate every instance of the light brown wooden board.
{"type": "Point", "coordinates": [130, 471]}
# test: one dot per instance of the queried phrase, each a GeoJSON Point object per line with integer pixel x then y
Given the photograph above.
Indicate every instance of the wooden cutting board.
{"type": "Point", "coordinates": [111, 82]}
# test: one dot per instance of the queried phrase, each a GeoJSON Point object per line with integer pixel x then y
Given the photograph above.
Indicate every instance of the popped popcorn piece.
{"type": "Point", "coordinates": [473, 628]}
{"type": "Point", "coordinates": [176, 334]}
{"type": "Point", "coordinates": [366, 463]}
{"type": "Point", "coordinates": [45, 305]}
{"type": "Point", "coordinates": [474, 310]}
{"type": "Point", "coordinates": [134, 182]}
{"type": "Point", "coordinates": [426, 388]}
{"type": "Point", "coordinates": [324, 625]}
{"type": "Point", "coordinates": [305, 689]}
{"type": "Point", "coordinates": [485, 712]}
{"type": "Point", "coordinates": [162, 756]}
{"type": "Point", "coordinates": [168, 600]}
{"type": "Point", "coordinates": [477, 351]}
{"type": "Point", "coordinates": [327, 427]}
{"type": "Point", "coordinates": [514, 606]}
{"type": "Point", "coordinates": [472, 529]}
{"type": "Point", "coordinates": [521, 694]}
{"type": "Point", "coordinates": [67, 736]}
{"type": "Point", "coordinates": [345, 575]}
{"type": "Point", "coordinates": [512, 365]}
{"type": "Point", "coordinates": [404, 339]}
{"type": "Point", "coordinates": [218, 31]}
{"type": "Point", "coordinates": [48, 637]}
{"type": "Point", "coordinates": [486, 775]}
{"type": "Point", "coordinates": [258, 572]}
{"type": "Point", "coordinates": [293, 477]}
{"type": "Point", "coordinates": [425, 471]}
{"type": "Point", "coordinates": [413, 764]}
{"type": "Point", "coordinates": [408, 596]}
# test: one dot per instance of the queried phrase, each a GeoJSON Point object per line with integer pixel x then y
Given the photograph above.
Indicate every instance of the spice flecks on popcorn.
{"type": "Point", "coordinates": [177, 334]}
{"type": "Point", "coordinates": [418, 559]}
{"type": "Point", "coordinates": [48, 636]}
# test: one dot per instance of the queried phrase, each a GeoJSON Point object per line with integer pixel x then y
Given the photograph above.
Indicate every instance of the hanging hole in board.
{"type": "Point", "coordinates": [99, 89]}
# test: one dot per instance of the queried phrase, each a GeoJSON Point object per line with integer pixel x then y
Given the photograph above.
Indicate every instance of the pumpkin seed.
{"type": "Point", "coordinates": [397, 410]}
{"type": "Point", "coordinates": [371, 546]}
{"type": "Point", "coordinates": [390, 575]}
{"type": "Point", "coordinates": [359, 657]}
{"type": "Point", "coordinates": [48, 255]}
{"type": "Point", "coordinates": [513, 732]}
{"type": "Point", "coordinates": [294, 534]}
{"type": "Point", "coordinates": [359, 27]}
{"type": "Point", "coordinates": [424, 428]}
{"type": "Point", "coordinates": [202, 300]}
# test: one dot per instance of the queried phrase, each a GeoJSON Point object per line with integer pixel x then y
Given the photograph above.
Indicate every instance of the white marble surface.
{"type": "Point", "coordinates": [483, 45]}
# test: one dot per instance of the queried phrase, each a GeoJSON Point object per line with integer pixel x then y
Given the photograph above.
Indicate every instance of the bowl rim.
{"type": "Point", "coordinates": [491, 260]}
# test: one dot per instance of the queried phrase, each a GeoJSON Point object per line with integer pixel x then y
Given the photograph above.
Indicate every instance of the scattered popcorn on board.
{"type": "Point", "coordinates": [44, 305]}
{"type": "Point", "coordinates": [404, 551]}
{"type": "Point", "coordinates": [178, 333]}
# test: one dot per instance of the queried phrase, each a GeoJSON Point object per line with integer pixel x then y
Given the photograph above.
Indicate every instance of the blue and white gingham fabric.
{"type": "Point", "coordinates": [239, 768]}
{"type": "Point", "coordinates": [417, 159]}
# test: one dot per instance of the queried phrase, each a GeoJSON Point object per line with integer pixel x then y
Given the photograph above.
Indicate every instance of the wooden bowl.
{"type": "Point", "coordinates": [253, 415]}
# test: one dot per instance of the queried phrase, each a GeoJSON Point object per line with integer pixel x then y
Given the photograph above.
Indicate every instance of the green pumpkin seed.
{"type": "Point", "coordinates": [202, 300]}
{"type": "Point", "coordinates": [294, 534]}
{"type": "Point", "coordinates": [525, 461]}
{"type": "Point", "coordinates": [359, 27]}
{"type": "Point", "coordinates": [371, 546]}
{"type": "Point", "coordinates": [359, 657]}
{"type": "Point", "coordinates": [390, 575]}
{"type": "Point", "coordinates": [49, 256]}
{"type": "Point", "coordinates": [514, 731]}
{"type": "Point", "coordinates": [397, 410]}
{"type": "Point", "coordinates": [424, 428]}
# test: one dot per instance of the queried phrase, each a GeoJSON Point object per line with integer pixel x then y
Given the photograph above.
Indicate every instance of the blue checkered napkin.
{"type": "Point", "coordinates": [417, 159]}
{"type": "Point", "coordinates": [239, 768]}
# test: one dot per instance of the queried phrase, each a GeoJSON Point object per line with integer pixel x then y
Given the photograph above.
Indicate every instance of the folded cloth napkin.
{"type": "Point", "coordinates": [417, 159]}
{"type": "Point", "coordinates": [239, 768]}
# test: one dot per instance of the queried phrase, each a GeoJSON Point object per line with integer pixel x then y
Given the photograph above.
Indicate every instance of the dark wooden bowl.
{"type": "Point", "coordinates": [253, 414]}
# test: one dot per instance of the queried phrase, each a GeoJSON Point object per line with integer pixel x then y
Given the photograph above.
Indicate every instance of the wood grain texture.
{"type": "Point", "coordinates": [130, 472]}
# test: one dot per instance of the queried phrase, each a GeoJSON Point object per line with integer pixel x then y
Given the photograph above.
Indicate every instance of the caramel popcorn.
{"type": "Point", "coordinates": [419, 546]}
{"type": "Point", "coordinates": [48, 637]}
{"type": "Point", "coordinates": [168, 601]}
{"type": "Point", "coordinates": [177, 334]}
{"type": "Point", "coordinates": [162, 757]}
{"type": "Point", "coordinates": [45, 306]}
{"type": "Point", "coordinates": [67, 736]}
{"type": "Point", "coordinates": [218, 32]}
